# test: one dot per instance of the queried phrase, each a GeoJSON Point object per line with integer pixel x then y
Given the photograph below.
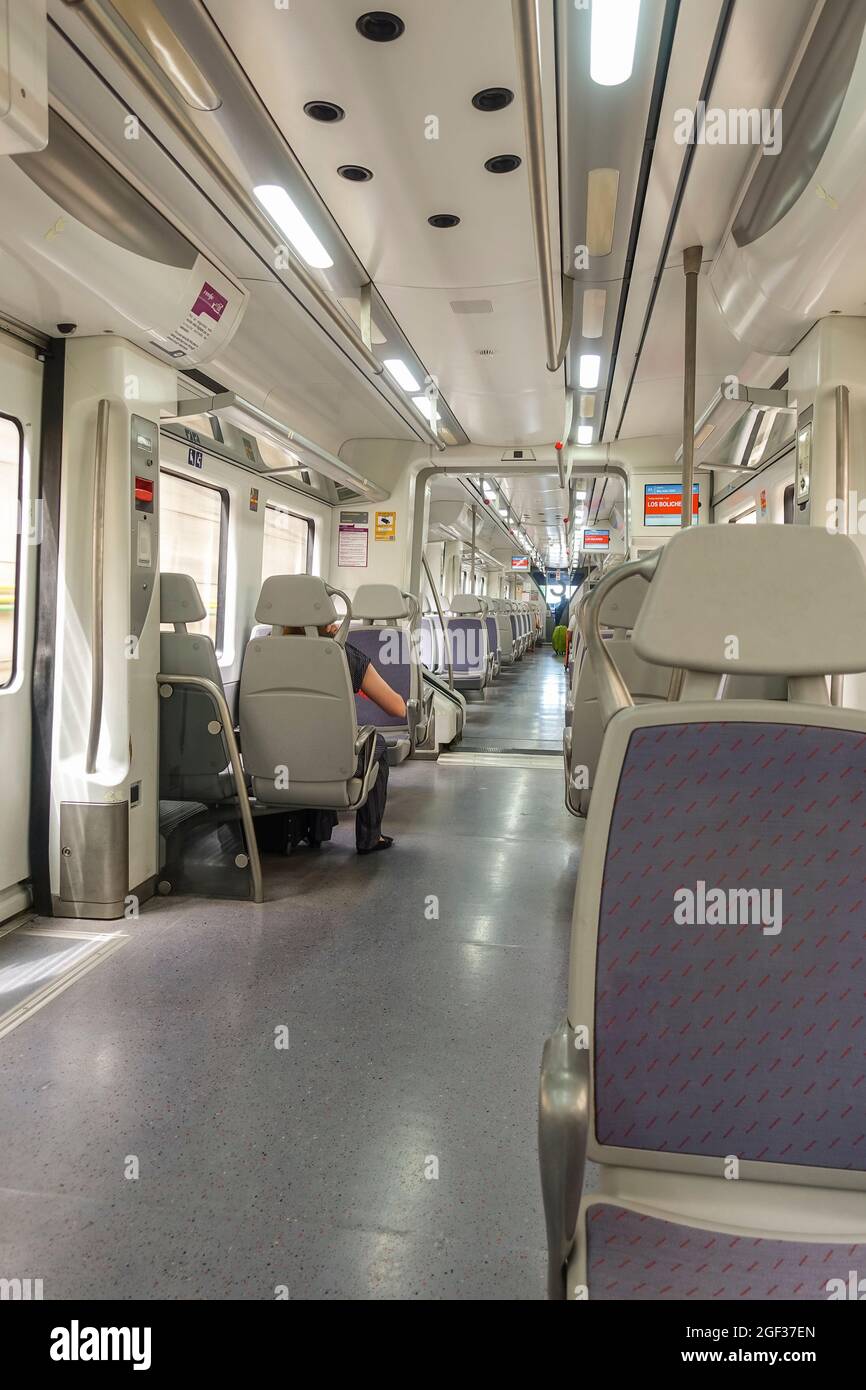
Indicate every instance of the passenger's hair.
{"type": "Point", "coordinates": [301, 632]}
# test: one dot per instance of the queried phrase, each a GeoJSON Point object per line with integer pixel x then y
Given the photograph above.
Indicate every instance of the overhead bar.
{"type": "Point", "coordinates": [98, 21]}
{"type": "Point", "coordinates": [528, 43]}
{"type": "Point", "coordinates": [251, 417]}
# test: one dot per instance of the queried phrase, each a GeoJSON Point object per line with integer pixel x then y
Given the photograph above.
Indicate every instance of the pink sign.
{"type": "Point", "coordinates": [210, 302]}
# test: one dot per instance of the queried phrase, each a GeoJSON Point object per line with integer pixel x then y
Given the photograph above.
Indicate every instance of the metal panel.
{"type": "Point", "coordinates": [94, 852]}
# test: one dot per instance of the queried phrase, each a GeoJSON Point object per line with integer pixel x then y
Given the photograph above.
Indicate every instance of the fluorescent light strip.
{"type": "Point", "coordinates": [584, 434]}
{"type": "Point", "coordinates": [291, 222]}
{"type": "Point", "coordinates": [594, 303]}
{"type": "Point", "coordinates": [397, 368]}
{"type": "Point", "coordinates": [602, 187]}
{"type": "Point", "coordinates": [613, 36]}
{"type": "Point", "coordinates": [425, 405]}
{"type": "Point", "coordinates": [590, 367]}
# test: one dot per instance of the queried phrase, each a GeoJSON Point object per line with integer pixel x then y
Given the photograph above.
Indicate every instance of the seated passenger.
{"type": "Point", "coordinates": [367, 681]}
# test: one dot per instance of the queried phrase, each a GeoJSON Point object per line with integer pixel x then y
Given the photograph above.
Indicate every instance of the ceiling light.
{"type": "Point", "coordinates": [590, 366]}
{"type": "Point", "coordinates": [355, 173]}
{"type": "Point", "coordinates": [503, 163]}
{"type": "Point", "coordinates": [584, 434]}
{"type": "Point", "coordinates": [602, 186]}
{"type": "Point", "coordinates": [380, 26]}
{"type": "Point", "coordinates": [580, 497]}
{"type": "Point", "coordinates": [444, 219]}
{"type": "Point", "coordinates": [493, 99]}
{"type": "Point", "coordinates": [401, 374]}
{"type": "Point", "coordinates": [326, 111]}
{"type": "Point", "coordinates": [612, 41]}
{"type": "Point", "coordinates": [425, 405]}
{"type": "Point", "coordinates": [594, 302]}
{"type": "Point", "coordinates": [285, 215]}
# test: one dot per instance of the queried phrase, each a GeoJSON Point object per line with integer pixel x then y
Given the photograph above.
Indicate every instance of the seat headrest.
{"type": "Point", "coordinates": [758, 600]}
{"type": "Point", "coordinates": [379, 601]}
{"type": "Point", "coordinates": [180, 600]}
{"type": "Point", "coordinates": [467, 603]}
{"type": "Point", "coordinates": [295, 600]}
{"type": "Point", "coordinates": [622, 605]}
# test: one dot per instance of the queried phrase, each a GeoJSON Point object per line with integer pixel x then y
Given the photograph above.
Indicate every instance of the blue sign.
{"type": "Point", "coordinates": [195, 458]}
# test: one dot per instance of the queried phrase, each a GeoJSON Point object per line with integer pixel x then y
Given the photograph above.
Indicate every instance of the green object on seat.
{"type": "Point", "coordinates": [558, 639]}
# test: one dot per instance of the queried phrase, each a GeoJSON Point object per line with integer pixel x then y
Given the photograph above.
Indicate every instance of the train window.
{"type": "Point", "coordinates": [747, 518]}
{"type": "Point", "coordinates": [788, 505]}
{"type": "Point", "coordinates": [288, 543]}
{"type": "Point", "coordinates": [11, 471]}
{"type": "Point", "coordinates": [192, 540]}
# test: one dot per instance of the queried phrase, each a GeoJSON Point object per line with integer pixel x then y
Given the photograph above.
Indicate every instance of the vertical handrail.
{"type": "Point", "coordinates": [842, 476]}
{"type": "Point", "coordinates": [97, 606]}
{"type": "Point", "coordinates": [436, 599]}
{"type": "Point", "coordinates": [692, 257]}
{"type": "Point", "coordinates": [528, 44]}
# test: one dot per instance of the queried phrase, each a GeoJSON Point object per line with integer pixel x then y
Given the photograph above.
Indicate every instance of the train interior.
{"type": "Point", "coordinates": [410, 332]}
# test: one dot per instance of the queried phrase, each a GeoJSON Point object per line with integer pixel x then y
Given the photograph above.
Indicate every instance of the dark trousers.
{"type": "Point", "coordinates": [368, 821]}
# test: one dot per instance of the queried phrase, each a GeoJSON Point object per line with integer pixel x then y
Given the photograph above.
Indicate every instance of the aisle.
{"type": "Point", "coordinates": [390, 1151]}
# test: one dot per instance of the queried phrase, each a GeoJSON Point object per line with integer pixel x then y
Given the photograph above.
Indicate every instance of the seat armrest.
{"type": "Point", "coordinates": [563, 1130]}
{"type": "Point", "coordinates": [367, 732]}
{"type": "Point", "coordinates": [413, 718]}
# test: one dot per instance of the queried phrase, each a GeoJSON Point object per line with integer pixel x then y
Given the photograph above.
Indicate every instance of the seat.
{"type": "Point", "coordinates": [202, 787]}
{"type": "Point", "coordinates": [582, 736]}
{"type": "Point", "coordinates": [468, 645]}
{"type": "Point", "coordinates": [516, 636]}
{"type": "Point", "coordinates": [493, 642]}
{"type": "Point", "coordinates": [302, 744]}
{"type": "Point", "coordinates": [385, 628]}
{"type": "Point", "coordinates": [193, 759]}
{"type": "Point", "coordinates": [709, 1063]}
{"type": "Point", "coordinates": [504, 638]}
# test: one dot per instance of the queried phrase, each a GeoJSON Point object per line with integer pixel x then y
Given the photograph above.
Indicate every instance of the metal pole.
{"type": "Point", "coordinates": [842, 475]}
{"type": "Point", "coordinates": [472, 573]}
{"type": "Point", "coordinates": [692, 257]}
{"type": "Point", "coordinates": [528, 44]}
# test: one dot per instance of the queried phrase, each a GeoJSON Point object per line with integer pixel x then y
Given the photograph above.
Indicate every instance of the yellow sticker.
{"type": "Point", "coordinates": [386, 526]}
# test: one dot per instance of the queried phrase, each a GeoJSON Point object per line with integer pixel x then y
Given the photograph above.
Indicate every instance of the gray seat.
{"type": "Point", "coordinates": [582, 737]}
{"type": "Point", "coordinates": [717, 973]}
{"type": "Point", "coordinates": [505, 641]}
{"type": "Point", "coordinates": [466, 633]}
{"type": "Point", "coordinates": [385, 628]}
{"type": "Point", "coordinates": [193, 759]}
{"type": "Point", "coordinates": [302, 744]}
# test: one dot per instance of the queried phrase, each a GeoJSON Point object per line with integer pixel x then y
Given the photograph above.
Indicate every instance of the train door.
{"type": "Point", "coordinates": [20, 533]}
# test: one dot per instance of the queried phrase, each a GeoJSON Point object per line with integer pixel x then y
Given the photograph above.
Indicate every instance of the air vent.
{"type": "Point", "coordinates": [472, 306]}
{"type": "Point", "coordinates": [345, 494]}
{"type": "Point", "coordinates": [486, 352]}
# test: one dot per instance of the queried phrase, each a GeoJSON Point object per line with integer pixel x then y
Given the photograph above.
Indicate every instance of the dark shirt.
{"type": "Point", "coordinates": [358, 664]}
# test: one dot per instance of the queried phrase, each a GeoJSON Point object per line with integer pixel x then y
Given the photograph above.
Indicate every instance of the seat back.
{"type": "Point", "coordinates": [192, 755]}
{"type": "Point", "coordinates": [467, 639]}
{"type": "Point", "coordinates": [381, 630]}
{"type": "Point", "coordinates": [299, 729]}
{"type": "Point", "coordinates": [714, 941]}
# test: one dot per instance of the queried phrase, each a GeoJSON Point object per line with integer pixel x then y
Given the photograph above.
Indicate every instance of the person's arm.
{"type": "Point", "coordinates": [380, 692]}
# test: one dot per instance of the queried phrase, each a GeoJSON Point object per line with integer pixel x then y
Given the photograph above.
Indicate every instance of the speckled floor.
{"type": "Point", "coordinates": [414, 1046]}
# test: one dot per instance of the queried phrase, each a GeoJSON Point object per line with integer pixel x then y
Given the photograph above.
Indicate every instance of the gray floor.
{"type": "Point", "coordinates": [411, 1040]}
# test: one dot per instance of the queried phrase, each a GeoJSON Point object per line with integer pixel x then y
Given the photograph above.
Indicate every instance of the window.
{"type": "Point", "coordinates": [288, 542]}
{"type": "Point", "coordinates": [746, 518]}
{"type": "Point", "coordinates": [192, 540]}
{"type": "Point", "coordinates": [11, 460]}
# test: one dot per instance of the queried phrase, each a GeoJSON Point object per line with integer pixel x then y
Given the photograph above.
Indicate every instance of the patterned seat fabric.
{"type": "Point", "coordinates": [388, 649]}
{"type": "Point", "coordinates": [726, 1039]}
{"type": "Point", "coordinates": [636, 1257]}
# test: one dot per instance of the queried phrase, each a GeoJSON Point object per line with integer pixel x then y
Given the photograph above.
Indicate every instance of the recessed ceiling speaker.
{"type": "Point", "coordinates": [493, 99]}
{"type": "Point", "coordinates": [380, 26]}
{"type": "Point", "coordinates": [444, 219]}
{"type": "Point", "coordinates": [327, 111]}
{"type": "Point", "coordinates": [355, 173]}
{"type": "Point", "coordinates": [503, 164]}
